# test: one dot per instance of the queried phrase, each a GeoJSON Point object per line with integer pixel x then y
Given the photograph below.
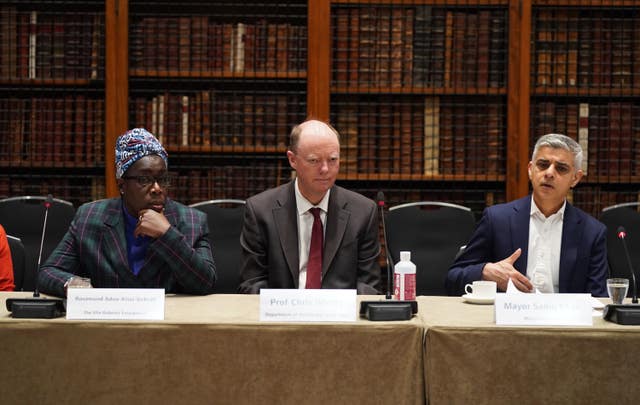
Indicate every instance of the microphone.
{"type": "Point", "coordinates": [37, 307]}
{"type": "Point", "coordinates": [624, 314]}
{"type": "Point", "coordinates": [389, 310]}
{"type": "Point", "coordinates": [47, 204]}
{"type": "Point", "coordinates": [380, 201]}
{"type": "Point", "coordinates": [622, 235]}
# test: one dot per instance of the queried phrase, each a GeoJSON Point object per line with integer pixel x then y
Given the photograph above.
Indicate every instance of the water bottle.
{"type": "Point", "coordinates": [404, 278]}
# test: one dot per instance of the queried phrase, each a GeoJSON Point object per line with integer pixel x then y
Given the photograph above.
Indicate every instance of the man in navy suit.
{"type": "Point", "coordinates": [540, 241]}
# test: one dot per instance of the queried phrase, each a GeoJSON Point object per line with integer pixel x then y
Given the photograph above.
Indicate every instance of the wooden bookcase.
{"type": "Point", "coordinates": [220, 86]}
{"type": "Point", "coordinates": [419, 91]}
{"type": "Point", "coordinates": [52, 100]}
{"type": "Point", "coordinates": [434, 99]}
{"type": "Point", "coordinates": [585, 82]}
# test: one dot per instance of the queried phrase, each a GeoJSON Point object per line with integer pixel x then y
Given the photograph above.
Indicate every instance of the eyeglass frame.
{"type": "Point", "coordinates": [164, 181]}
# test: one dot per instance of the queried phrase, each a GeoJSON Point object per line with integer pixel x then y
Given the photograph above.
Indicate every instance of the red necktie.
{"type": "Point", "coordinates": [314, 265]}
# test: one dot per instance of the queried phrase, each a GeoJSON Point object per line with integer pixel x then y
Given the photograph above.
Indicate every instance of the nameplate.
{"type": "Point", "coordinates": [115, 303]}
{"type": "Point", "coordinates": [282, 305]}
{"type": "Point", "coordinates": [543, 309]}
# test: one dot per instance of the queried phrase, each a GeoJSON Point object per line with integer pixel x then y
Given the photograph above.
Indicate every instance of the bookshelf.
{"type": "Point", "coordinates": [435, 99]}
{"type": "Point", "coordinates": [585, 82]}
{"type": "Point", "coordinates": [419, 91]}
{"type": "Point", "coordinates": [220, 87]}
{"type": "Point", "coordinates": [52, 100]}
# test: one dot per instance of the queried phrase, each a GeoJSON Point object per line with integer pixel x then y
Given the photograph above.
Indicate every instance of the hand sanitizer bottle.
{"type": "Point", "coordinates": [404, 280]}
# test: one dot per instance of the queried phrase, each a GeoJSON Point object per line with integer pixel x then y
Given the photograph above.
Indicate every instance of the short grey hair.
{"type": "Point", "coordinates": [559, 141]}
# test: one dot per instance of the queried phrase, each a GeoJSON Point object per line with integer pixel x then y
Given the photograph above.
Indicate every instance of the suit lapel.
{"type": "Point", "coordinates": [285, 216]}
{"type": "Point", "coordinates": [337, 220]}
{"type": "Point", "coordinates": [115, 244]}
{"type": "Point", "coordinates": [571, 236]}
{"type": "Point", "coordinates": [519, 227]}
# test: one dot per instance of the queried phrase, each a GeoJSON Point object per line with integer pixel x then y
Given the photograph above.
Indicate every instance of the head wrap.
{"type": "Point", "coordinates": [134, 145]}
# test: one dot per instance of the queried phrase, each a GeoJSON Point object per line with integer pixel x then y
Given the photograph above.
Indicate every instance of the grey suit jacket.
{"type": "Point", "coordinates": [269, 242]}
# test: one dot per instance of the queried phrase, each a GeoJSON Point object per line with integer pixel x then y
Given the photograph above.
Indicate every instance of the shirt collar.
{"type": "Point", "coordinates": [303, 205]}
{"type": "Point", "coordinates": [535, 211]}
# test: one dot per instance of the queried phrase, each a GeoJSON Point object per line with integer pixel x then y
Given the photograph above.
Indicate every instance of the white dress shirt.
{"type": "Point", "coordinates": [545, 241]}
{"type": "Point", "coordinates": [305, 223]}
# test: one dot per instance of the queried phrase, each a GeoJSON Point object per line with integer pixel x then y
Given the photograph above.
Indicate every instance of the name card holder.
{"type": "Point", "coordinates": [543, 309]}
{"type": "Point", "coordinates": [115, 303]}
{"type": "Point", "coordinates": [289, 305]}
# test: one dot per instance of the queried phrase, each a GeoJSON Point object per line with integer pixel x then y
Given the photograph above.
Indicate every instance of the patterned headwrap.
{"type": "Point", "coordinates": [135, 144]}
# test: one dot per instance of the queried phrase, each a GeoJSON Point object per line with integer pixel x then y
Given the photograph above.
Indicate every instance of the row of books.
{"type": "Point", "coordinates": [593, 199]}
{"type": "Point", "coordinates": [227, 181]}
{"type": "Point", "coordinates": [197, 44]}
{"type": "Point", "coordinates": [427, 136]}
{"type": "Point", "coordinates": [47, 45]}
{"type": "Point", "coordinates": [609, 134]}
{"type": "Point", "coordinates": [62, 131]}
{"type": "Point", "coordinates": [236, 182]}
{"type": "Point", "coordinates": [419, 46]}
{"type": "Point", "coordinates": [193, 186]}
{"type": "Point", "coordinates": [208, 118]}
{"type": "Point", "coordinates": [582, 48]}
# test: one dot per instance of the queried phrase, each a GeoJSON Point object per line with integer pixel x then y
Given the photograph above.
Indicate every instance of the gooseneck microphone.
{"type": "Point", "coordinates": [47, 204]}
{"type": "Point", "coordinates": [37, 307]}
{"type": "Point", "coordinates": [624, 314]}
{"type": "Point", "coordinates": [380, 200]}
{"type": "Point", "coordinates": [389, 309]}
{"type": "Point", "coordinates": [622, 235]}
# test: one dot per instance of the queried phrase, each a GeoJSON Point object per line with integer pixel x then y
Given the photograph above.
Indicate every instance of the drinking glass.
{"type": "Point", "coordinates": [617, 289]}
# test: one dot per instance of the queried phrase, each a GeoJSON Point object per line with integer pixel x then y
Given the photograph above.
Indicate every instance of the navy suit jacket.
{"type": "Point", "coordinates": [504, 228]}
{"type": "Point", "coordinates": [269, 242]}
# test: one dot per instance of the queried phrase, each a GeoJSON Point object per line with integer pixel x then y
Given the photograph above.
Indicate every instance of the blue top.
{"type": "Point", "coordinates": [136, 247]}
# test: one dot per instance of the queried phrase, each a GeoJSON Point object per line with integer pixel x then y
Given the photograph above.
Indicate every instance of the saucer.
{"type": "Point", "coordinates": [477, 300]}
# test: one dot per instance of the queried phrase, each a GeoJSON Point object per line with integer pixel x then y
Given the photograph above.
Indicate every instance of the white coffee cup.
{"type": "Point", "coordinates": [482, 289]}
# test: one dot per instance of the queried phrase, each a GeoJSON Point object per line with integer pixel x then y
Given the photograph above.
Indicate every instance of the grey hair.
{"type": "Point", "coordinates": [559, 141]}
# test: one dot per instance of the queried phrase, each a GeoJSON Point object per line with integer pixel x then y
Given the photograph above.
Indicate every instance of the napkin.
{"type": "Point", "coordinates": [512, 289]}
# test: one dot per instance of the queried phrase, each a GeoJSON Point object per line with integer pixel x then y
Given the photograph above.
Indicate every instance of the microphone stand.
{"type": "Point", "coordinates": [624, 314]}
{"type": "Point", "coordinates": [386, 244]}
{"type": "Point", "coordinates": [622, 236]}
{"type": "Point", "coordinates": [36, 307]}
{"type": "Point", "coordinates": [389, 310]}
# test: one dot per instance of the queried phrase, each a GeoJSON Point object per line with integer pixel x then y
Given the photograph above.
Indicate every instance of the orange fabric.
{"type": "Point", "coordinates": [6, 265]}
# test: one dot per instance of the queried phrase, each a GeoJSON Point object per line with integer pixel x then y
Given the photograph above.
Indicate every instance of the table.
{"type": "Point", "coordinates": [209, 349]}
{"type": "Point", "coordinates": [213, 349]}
{"type": "Point", "coordinates": [470, 360]}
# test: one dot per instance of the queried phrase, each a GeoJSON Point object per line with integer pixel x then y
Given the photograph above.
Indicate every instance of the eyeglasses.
{"type": "Point", "coordinates": [145, 181]}
{"type": "Point", "coordinates": [561, 168]}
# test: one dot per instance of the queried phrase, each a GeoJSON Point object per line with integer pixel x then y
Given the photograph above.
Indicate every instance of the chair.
{"type": "Point", "coordinates": [628, 216]}
{"type": "Point", "coordinates": [23, 217]}
{"type": "Point", "coordinates": [434, 233]}
{"type": "Point", "coordinates": [18, 256]}
{"type": "Point", "coordinates": [225, 218]}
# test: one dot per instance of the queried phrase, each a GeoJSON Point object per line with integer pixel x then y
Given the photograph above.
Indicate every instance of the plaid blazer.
{"type": "Point", "coordinates": [180, 261]}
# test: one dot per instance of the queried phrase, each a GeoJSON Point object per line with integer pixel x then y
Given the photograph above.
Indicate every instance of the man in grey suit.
{"type": "Point", "coordinates": [278, 224]}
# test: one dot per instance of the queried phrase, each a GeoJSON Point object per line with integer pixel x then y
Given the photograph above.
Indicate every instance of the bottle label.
{"type": "Point", "coordinates": [404, 286]}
